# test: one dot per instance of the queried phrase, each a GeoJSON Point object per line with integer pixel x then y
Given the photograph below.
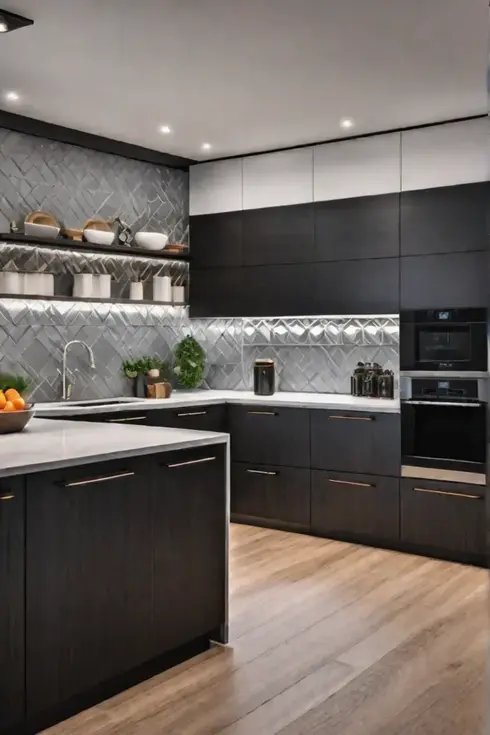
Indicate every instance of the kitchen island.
{"type": "Point", "coordinates": [113, 561]}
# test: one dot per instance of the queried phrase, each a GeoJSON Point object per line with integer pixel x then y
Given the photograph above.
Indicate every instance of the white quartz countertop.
{"type": "Point", "coordinates": [47, 445]}
{"type": "Point", "coordinates": [180, 399]}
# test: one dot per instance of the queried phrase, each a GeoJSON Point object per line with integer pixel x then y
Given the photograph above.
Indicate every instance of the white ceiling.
{"type": "Point", "coordinates": [245, 75]}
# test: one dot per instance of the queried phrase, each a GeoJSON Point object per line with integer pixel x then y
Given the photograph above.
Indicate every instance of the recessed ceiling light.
{"type": "Point", "coordinates": [11, 21]}
{"type": "Point", "coordinates": [206, 146]}
{"type": "Point", "coordinates": [3, 25]}
{"type": "Point", "coordinates": [12, 96]}
{"type": "Point", "coordinates": [346, 123]}
{"type": "Point", "coordinates": [165, 129]}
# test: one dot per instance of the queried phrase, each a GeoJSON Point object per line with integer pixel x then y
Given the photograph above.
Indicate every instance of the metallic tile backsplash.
{"type": "Point", "coordinates": [314, 354]}
{"type": "Point", "coordinates": [75, 183]}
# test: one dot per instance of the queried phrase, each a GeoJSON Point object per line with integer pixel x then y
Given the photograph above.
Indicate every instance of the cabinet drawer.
{"type": "Point", "coordinates": [270, 435]}
{"type": "Point", "coordinates": [355, 506]}
{"type": "Point", "coordinates": [199, 418]}
{"type": "Point", "coordinates": [351, 441]}
{"type": "Point", "coordinates": [138, 417]}
{"type": "Point", "coordinates": [444, 516]}
{"type": "Point", "coordinates": [271, 492]}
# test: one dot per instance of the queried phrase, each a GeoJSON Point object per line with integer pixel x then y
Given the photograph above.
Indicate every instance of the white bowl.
{"type": "Point", "coordinates": [151, 240]}
{"type": "Point", "coordinates": [99, 237]}
{"type": "Point", "coordinates": [32, 229]}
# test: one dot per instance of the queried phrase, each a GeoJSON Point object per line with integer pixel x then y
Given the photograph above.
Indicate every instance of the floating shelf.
{"type": "Point", "coordinates": [64, 243]}
{"type": "Point", "coordinates": [76, 299]}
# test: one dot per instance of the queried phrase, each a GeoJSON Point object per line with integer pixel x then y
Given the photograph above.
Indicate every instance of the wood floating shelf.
{"type": "Point", "coordinates": [77, 299]}
{"type": "Point", "coordinates": [88, 247]}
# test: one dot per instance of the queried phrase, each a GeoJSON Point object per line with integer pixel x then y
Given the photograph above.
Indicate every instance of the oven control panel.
{"type": "Point", "coordinates": [433, 389]}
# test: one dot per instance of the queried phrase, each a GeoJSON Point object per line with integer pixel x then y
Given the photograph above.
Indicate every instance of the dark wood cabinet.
{"type": "Point", "coordinates": [446, 517]}
{"type": "Point", "coordinates": [140, 417]}
{"type": "Point", "coordinates": [445, 220]}
{"type": "Point", "coordinates": [12, 596]}
{"type": "Point", "coordinates": [278, 235]}
{"type": "Point", "coordinates": [198, 418]}
{"type": "Point", "coordinates": [271, 493]}
{"type": "Point", "coordinates": [356, 287]}
{"type": "Point", "coordinates": [216, 239]}
{"type": "Point", "coordinates": [217, 291]}
{"type": "Point", "coordinates": [357, 228]}
{"type": "Point", "coordinates": [189, 545]}
{"type": "Point", "coordinates": [444, 281]}
{"type": "Point", "coordinates": [270, 435]}
{"type": "Point", "coordinates": [352, 441]}
{"type": "Point", "coordinates": [272, 290]}
{"type": "Point", "coordinates": [88, 574]}
{"type": "Point", "coordinates": [355, 506]}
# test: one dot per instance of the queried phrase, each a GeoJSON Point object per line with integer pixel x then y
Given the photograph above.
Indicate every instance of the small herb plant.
{"type": "Point", "coordinates": [189, 362]}
{"type": "Point", "coordinates": [18, 382]}
{"type": "Point", "coordinates": [142, 366]}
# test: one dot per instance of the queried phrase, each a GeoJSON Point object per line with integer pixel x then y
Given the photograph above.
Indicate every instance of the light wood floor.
{"type": "Point", "coordinates": [327, 638]}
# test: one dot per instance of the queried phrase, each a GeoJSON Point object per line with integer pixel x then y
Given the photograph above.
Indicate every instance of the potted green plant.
{"type": "Point", "coordinates": [138, 370]}
{"type": "Point", "coordinates": [189, 364]}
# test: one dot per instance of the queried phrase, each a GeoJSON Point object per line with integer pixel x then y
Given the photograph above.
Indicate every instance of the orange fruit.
{"type": "Point", "coordinates": [3, 400]}
{"type": "Point", "coordinates": [19, 404]}
{"type": "Point", "coordinates": [11, 394]}
{"type": "Point", "coordinates": [9, 406]}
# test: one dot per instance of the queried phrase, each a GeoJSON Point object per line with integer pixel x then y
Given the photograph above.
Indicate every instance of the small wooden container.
{"type": "Point", "coordinates": [159, 390]}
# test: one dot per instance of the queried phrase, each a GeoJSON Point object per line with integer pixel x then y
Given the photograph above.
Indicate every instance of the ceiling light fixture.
{"type": "Point", "coordinates": [12, 96]}
{"type": "Point", "coordinates": [347, 123]}
{"type": "Point", "coordinates": [165, 129]}
{"type": "Point", "coordinates": [11, 21]}
{"type": "Point", "coordinates": [206, 146]}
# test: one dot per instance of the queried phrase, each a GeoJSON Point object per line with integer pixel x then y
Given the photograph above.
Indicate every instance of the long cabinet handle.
{"type": "Point", "coordinates": [102, 478]}
{"type": "Point", "coordinates": [127, 418]}
{"type": "Point", "coordinates": [262, 413]}
{"type": "Point", "coordinates": [446, 492]}
{"type": "Point", "coordinates": [352, 418]}
{"type": "Point", "coordinates": [191, 461]}
{"type": "Point", "coordinates": [348, 482]}
{"type": "Point", "coordinates": [7, 496]}
{"type": "Point", "coordinates": [193, 413]}
{"type": "Point", "coordinates": [261, 472]}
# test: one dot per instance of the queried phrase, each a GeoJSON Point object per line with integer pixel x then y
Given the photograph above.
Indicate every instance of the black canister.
{"type": "Point", "coordinates": [357, 380]}
{"type": "Point", "coordinates": [372, 371]}
{"type": "Point", "coordinates": [386, 384]}
{"type": "Point", "coordinates": [264, 377]}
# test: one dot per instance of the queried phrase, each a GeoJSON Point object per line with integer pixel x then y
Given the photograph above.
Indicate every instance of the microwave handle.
{"type": "Point", "coordinates": [444, 403]}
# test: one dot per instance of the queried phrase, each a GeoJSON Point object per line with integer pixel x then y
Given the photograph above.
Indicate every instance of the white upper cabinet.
{"type": "Point", "coordinates": [277, 179]}
{"type": "Point", "coordinates": [446, 155]}
{"type": "Point", "coordinates": [215, 187]}
{"type": "Point", "coordinates": [357, 168]}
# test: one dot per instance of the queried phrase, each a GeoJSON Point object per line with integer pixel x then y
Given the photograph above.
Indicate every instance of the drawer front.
{"type": "Point", "coordinates": [271, 492]}
{"type": "Point", "coordinates": [444, 516]}
{"type": "Point", "coordinates": [270, 435]}
{"type": "Point", "coordinates": [139, 417]}
{"type": "Point", "coordinates": [199, 418]}
{"type": "Point", "coordinates": [356, 442]}
{"type": "Point", "coordinates": [355, 506]}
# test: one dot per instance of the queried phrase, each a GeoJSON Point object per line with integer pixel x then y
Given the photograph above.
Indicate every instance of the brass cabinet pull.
{"type": "Point", "coordinates": [348, 482]}
{"type": "Point", "coordinates": [262, 472]}
{"type": "Point", "coordinates": [127, 418]}
{"type": "Point", "coordinates": [353, 418]}
{"type": "Point", "coordinates": [446, 492]}
{"type": "Point", "coordinates": [263, 413]}
{"type": "Point", "coordinates": [193, 413]}
{"type": "Point", "coordinates": [7, 496]}
{"type": "Point", "coordinates": [191, 461]}
{"type": "Point", "coordinates": [103, 478]}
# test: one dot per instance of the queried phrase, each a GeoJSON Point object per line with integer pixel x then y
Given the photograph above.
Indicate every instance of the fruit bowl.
{"type": "Point", "coordinates": [14, 421]}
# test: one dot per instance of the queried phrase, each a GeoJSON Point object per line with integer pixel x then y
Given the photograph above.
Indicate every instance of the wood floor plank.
{"type": "Point", "coordinates": [326, 637]}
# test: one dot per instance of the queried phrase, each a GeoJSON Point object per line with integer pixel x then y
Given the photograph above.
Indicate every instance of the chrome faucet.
{"type": "Point", "coordinates": [67, 387]}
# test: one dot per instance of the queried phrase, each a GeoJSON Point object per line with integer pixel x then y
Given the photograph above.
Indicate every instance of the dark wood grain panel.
{"type": "Point", "coordinates": [274, 235]}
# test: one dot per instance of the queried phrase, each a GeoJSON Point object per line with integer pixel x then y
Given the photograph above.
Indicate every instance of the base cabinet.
{"type": "Point", "coordinates": [363, 507]}
{"type": "Point", "coordinates": [189, 545]}
{"type": "Point", "coordinates": [12, 592]}
{"type": "Point", "coordinates": [443, 517]}
{"type": "Point", "coordinates": [271, 493]}
{"type": "Point", "coordinates": [198, 418]}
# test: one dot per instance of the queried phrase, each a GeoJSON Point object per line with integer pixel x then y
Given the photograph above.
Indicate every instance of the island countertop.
{"type": "Point", "coordinates": [48, 445]}
{"type": "Point", "coordinates": [180, 399]}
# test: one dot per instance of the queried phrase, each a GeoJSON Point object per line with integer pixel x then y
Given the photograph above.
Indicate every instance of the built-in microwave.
{"type": "Point", "coordinates": [444, 340]}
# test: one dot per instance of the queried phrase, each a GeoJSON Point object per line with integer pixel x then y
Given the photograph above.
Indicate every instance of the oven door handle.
{"type": "Point", "coordinates": [476, 404]}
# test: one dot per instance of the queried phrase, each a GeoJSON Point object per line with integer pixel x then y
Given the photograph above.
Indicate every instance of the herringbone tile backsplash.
{"type": "Point", "coordinates": [314, 354]}
{"type": "Point", "coordinates": [76, 183]}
